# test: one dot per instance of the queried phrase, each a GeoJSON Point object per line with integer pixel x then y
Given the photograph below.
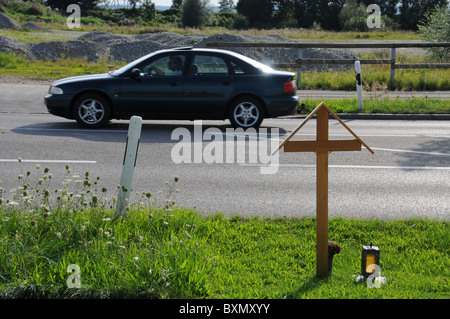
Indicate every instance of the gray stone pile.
{"type": "Point", "coordinates": [97, 45]}
{"type": "Point", "coordinates": [7, 23]}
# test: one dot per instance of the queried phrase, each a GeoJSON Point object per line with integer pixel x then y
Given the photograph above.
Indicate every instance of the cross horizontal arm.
{"type": "Point", "coordinates": [326, 146]}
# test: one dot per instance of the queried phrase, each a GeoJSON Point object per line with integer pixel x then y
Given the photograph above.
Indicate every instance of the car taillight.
{"type": "Point", "coordinates": [290, 87]}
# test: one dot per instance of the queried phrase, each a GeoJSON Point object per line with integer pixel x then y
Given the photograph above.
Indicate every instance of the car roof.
{"type": "Point", "coordinates": [198, 50]}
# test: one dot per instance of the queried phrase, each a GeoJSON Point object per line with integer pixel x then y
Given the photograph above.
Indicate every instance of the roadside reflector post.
{"type": "Point", "coordinates": [299, 70]}
{"type": "Point", "coordinates": [393, 56]}
{"type": "Point", "coordinates": [358, 85]}
{"type": "Point", "coordinates": [129, 163]}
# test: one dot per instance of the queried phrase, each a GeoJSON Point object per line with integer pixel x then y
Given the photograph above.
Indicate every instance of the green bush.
{"type": "Point", "coordinates": [436, 28]}
{"type": "Point", "coordinates": [196, 13]}
{"type": "Point", "coordinates": [241, 22]}
{"type": "Point", "coordinates": [353, 16]}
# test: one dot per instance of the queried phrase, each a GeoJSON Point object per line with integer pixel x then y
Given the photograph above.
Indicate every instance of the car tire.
{"type": "Point", "coordinates": [246, 112]}
{"type": "Point", "coordinates": [92, 110]}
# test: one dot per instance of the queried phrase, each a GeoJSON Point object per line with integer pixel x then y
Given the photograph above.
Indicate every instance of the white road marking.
{"type": "Point", "coordinates": [382, 135]}
{"type": "Point", "coordinates": [68, 130]}
{"type": "Point", "coordinates": [408, 151]}
{"type": "Point", "coordinates": [47, 161]}
{"type": "Point", "coordinates": [423, 168]}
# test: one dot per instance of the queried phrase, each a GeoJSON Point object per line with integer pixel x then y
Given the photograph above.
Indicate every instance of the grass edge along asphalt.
{"type": "Point", "coordinates": [65, 243]}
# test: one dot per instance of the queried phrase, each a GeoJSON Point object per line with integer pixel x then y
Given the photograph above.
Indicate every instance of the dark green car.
{"type": "Point", "coordinates": [178, 84]}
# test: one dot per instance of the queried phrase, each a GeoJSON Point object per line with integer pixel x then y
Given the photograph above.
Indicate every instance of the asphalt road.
{"type": "Point", "coordinates": [408, 176]}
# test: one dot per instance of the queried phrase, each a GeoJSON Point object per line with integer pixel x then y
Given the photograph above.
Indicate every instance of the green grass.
{"type": "Point", "coordinates": [179, 254]}
{"type": "Point", "coordinates": [167, 252]}
{"type": "Point", "coordinates": [26, 36]}
{"type": "Point", "coordinates": [378, 78]}
{"type": "Point", "coordinates": [13, 65]}
{"type": "Point", "coordinates": [416, 105]}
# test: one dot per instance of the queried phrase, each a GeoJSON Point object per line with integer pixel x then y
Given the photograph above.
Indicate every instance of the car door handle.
{"type": "Point", "coordinates": [226, 82]}
{"type": "Point", "coordinates": [174, 83]}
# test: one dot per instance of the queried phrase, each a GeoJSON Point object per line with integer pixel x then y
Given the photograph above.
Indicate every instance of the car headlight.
{"type": "Point", "coordinates": [55, 90]}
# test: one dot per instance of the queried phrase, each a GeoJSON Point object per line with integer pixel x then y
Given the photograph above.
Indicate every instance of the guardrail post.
{"type": "Point", "coordinates": [393, 53]}
{"type": "Point", "coordinates": [358, 85]}
{"type": "Point", "coordinates": [129, 163]}
{"type": "Point", "coordinates": [299, 70]}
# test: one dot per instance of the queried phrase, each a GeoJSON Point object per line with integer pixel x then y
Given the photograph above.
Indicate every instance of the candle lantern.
{"type": "Point", "coordinates": [370, 256]}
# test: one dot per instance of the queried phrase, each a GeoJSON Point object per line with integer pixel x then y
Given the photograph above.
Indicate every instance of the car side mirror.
{"type": "Point", "coordinates": [135, 73]}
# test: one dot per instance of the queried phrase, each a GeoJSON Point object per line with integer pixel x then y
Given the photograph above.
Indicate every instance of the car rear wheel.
{"type": "Point", "coordinates": [246, 112]}
{"type": "Point", "coordinates": [92, 110]}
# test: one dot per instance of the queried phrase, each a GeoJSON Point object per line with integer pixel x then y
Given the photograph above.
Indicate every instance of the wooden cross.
{"type": "Point", "coordinates": [322, 146]}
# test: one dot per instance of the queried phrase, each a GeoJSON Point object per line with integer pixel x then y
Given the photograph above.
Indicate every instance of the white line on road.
{"type": "Point", "coordinates": [422, 168]}
{"type": "Point", "coordinates": [47, 161]}
{"type": "Point", "coordinates": [68, 130]}
{"type": "Point", "coordinates": [384, 135]}
{"type": "Point", "coordinates": [408, 151]}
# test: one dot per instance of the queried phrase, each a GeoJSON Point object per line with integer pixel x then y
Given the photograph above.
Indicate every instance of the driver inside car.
{"type": "Point", "coordinates": [175, 66]}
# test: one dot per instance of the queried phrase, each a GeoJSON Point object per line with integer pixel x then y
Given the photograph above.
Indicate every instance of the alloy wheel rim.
{"type": "Point", "coordinates": [246, 114]}
{"type": "Point", "coordinates": [91, 111]}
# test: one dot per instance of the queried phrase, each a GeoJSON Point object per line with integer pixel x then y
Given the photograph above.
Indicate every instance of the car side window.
{"type": "Point", "coordinates": [170, 65]}
{"type": "Point", "coordinates": [204, 65]}
{"type": "Point", "coordinates": [236, 68]}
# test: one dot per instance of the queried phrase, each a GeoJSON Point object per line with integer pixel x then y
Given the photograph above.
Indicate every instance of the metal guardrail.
{"type": "Point", "coordinates": [301, 61]}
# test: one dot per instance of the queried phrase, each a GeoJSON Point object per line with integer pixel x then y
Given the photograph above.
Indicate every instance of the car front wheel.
{"type": "Point", "coordinates": [246, 112]}
{"type": "Point", "coordinates": [92, 110]}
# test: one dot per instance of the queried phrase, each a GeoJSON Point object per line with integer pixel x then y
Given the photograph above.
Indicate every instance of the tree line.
{"type": "Point", "coordinates": [336, 15]}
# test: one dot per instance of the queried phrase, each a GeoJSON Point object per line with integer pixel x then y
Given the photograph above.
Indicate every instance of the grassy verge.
{"type": "Point", "coordinates": [378, 78]}
{"type": "Point", "coordinates": [12, 65]}
{"type": "Point", "coordinates": [417, 105]}
{"type": "Point", "coordinates": [89, 25]}
{"type": "Point", "coordinates": [27, 36]}
{"type": "Point", "coordinates": [176, 253]}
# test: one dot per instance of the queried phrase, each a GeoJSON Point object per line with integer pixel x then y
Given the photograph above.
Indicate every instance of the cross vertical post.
{"type": "Point", "coordinates": [322, 194]}
{"type": "Point", "coordinates": [322, 146]}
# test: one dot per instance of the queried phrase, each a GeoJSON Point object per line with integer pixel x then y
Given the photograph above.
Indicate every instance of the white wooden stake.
{"type": "Point", "coordinates": [129, 163]}
{"type": "Point", "coordinates": [358, 85]}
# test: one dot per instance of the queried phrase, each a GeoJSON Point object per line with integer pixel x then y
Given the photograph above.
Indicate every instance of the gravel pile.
{"type": "Point", "coordinates": [278, 55]}
{"type": "Point", "coordinates": [62, 49]}
{"type": "Point", "coordinates": [10, 46]}
{"type": "Point", "coordinates": [7, 23]}
{"type": "Point", "coordinates": [33, 26]}
{"type": "Point", "coordinates": [103, 45]}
